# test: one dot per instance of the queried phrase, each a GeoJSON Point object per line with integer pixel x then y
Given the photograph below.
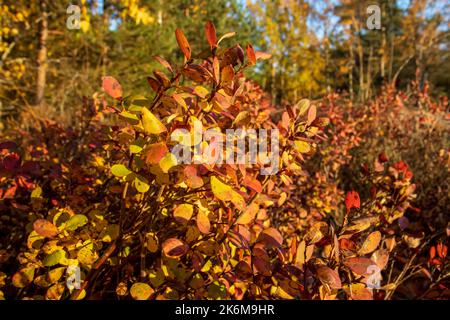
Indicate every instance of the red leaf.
{"type": "Point", "coordinates": [262, 55]}
{"type": "Point", "coordinates": [329, 277]}
{"type": "Point", "coordinates": [11, 162]}
{"type": "Point", "coordinates": [203, 223]}
{"type": "Point", "coordinates": [45, 228]}
{"type": "Point", "coordinates": [155, 152]}
{"type": "Point", "coordinates": [164, 63]}
{"type": "Point", "coordinates": [251, 54]}
{"type": "Point", "coordinates": [252, 183]}
{"type": "Point", "coordinates": [183, 43]}
{"type": "Point", "coordinates": [312, 113]}
{"type": "Point", "coordinates": [432, 252]}
{"type": "Point", "coordinates": [441, 250]}
{"type": "Point", "coordinates": [352, 200]}
{"type": "Point", "coordinates": [216, 68]}
{"type": "Point", "coordinates": [154, 84]}
{"type": "Point", "coordinates": [174, 248]}
{"type": "Point", "coordinates": [211, 36]}
{"type": "Point", "coordinates": [112, 87]}
{"type": "Point", "coordinates": [271, 237]}
{"type": "Point", "coordinates": [359, 265]}
{"type": "Point", "coordinates": [382, 157]}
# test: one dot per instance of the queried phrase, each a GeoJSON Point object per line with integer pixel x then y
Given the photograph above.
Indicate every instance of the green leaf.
{"type": "Point", "coordinates": [129, 117]}
{"type": "Point", "coordinates": [151, 124]}
{"type": "Point", "coordinates": [37, 192]}
{"type": "Point", "coordinates": [302, 146]}
{"type": "Point", "coordinates": [303, 105]}
{"type": "Point", "coordinates": [137, 145]}
{"type": "Point", "coordinates": [141, 184]}
{"type": "Point", "coordinates": [54, 258]}
{"type": "Point", "coordinates": [76, 221]}
{"type": "Point", "coordinates": [135, 103]}
{"type": "Point", "coordinates": [119, 170]}
{"type": "Point", "coordinates": [141, 291]}
{"type": "Point", "coordinates": [23, 277]}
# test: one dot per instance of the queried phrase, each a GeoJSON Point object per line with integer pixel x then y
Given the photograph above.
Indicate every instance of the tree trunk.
{"type": "Point", "coordinates": [369, 74]}
{"type": "Point", "coordinates": [105, 26]}
{"type": "Point", "coordinates": [42, 54]}
{"type": "Point", "coordinates": [383, 55]}
{"type": "Point", "coordinates": [350, 72]}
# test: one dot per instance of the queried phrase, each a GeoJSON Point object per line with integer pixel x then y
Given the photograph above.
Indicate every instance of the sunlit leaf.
{"type": "Point", "coordinates": [203, 223]}
{"type": "Point", "coordinates": [23, 277]}
{"type": "Point", "coordinates": [371, 243]}
{"type": "Point", "coordinates": [76, 221]}
{"type": "Point", "coordinates": [183, 43]}
{"type": "Point", "coordinates": [54, 258]}
{"type": "Point", "coordinates": [141, 291]}
{"type": "Point", "coordinates": [45, 228]}
{"type": "Point", "coordinates": [271, 237]}
{"type": "Point", "coordinates": [210, 32]}
{"type": "Point", "coordinates": [183, 212]}
{"type": "Point", "coordinates": [359, 265]}
{"type": "Point", "coordinates": [151, 124]}
{"type": "Point", "coordinates": [141, 184]}
{"type": "Point", "coordinates": [112, 87]}
{"type": "Point", "coordinates": [329, 277]}
{"type": "Point", "coordinates": [119, 170]}
{"type": "Point", "coordinates": [174, 248]}
{"type": "Point", "coordinates": [167, 162]}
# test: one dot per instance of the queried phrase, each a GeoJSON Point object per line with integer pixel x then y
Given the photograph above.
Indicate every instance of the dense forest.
{"type": "Point", "coordinates": [96, 96]}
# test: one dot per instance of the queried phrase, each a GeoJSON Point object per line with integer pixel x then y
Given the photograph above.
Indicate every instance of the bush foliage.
{"type": "Point", "coordinates": [361, 194]}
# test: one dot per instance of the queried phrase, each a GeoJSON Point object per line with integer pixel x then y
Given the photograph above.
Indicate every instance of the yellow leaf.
{"type": "Point", "coordinates": [183, 212]}
{"type": "Point", "coordinates": [151, 123]}
{"type": "Point", "coordinates": [225, 192]}
{"type": "Point", "coordinates": [371, 243]}
{"type": "Point", "coordinates": [168, 162]}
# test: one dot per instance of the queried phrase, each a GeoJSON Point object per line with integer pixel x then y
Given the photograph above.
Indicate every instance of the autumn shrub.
{"type": "Point", "coordinates": [105, 210]}
{"type": "Point", "coordinates": [113, 200]}
{"type": "Point", "coordinates": [361, 140]}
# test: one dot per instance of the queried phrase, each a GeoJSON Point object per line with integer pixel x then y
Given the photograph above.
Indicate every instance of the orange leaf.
{"type": "Point", "coordinates": [441, 250]}
{"type": "Point", "coordinates": [271, 237]}
{"type": "Point", "coordinates": [252, 183]}
{"type": "Point", "coordinates": [312, 113]}
{"type": "Point", "coordinates": [359, 265]}
{"type": "Point", "coordinates": [183, 43]}
{"type": "Point", "coordinates": [155, 152]}
{"type": "Point", "coordinates": [381, 258]}
{"type": "Point", "coordinates": [262, 55]}
{"type": "Point", "coordinates": [203, 223]}
{"type": "Point", "coordinates": [352, 200]}
{"type": "Point", "coordinates": [45, 228]}
{"type": "Point", "coordinates": [216, 67]}
{"type": "Point", "coordinates": [248, 215]}
{"type": "Point", "coordinates": [251, 54]}
{"type": "Point", "coordinates": [174, 248]}
{"type": "Point", "coordinates": [329, 277]}
{"type": "Point", "coordinates": [211, 36]}
{"type": "Point", "coordinates": [183, 213]}
{"type": "Point", "coordinates": [112, 87]}
{"type": "Point", "coordinates": [164, 63]}
{"type": "Point", "coordinates": [371, 243]}
{"type": "Point", "coordinates": [191, 178]}
{"type": "Point", "coordinates": [357, 291]}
